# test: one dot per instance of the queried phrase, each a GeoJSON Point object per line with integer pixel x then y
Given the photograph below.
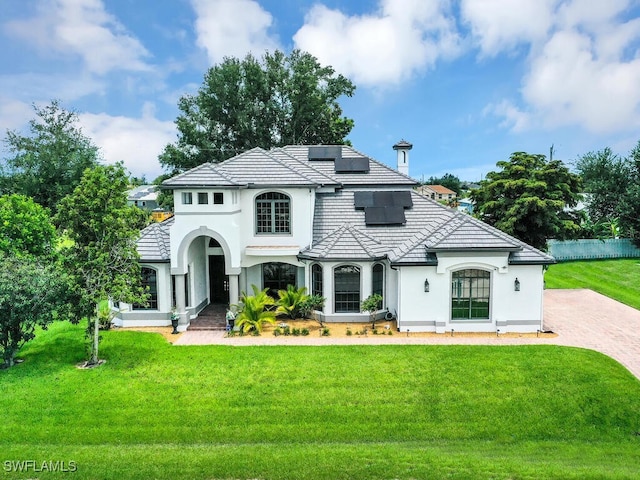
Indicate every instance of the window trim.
{"type": "Point", "coordinates": [203, 198]}
{"type": "Point", "coordinates": [352, 304]}
{"type": "Point", "coordinates": [474, 274]}
{"type": "Point", "coordinates": [273, 205]}
{"type": "Point", "coordinates": [153, 299]}
{"type": "Point", "coordinates": [218, 198]}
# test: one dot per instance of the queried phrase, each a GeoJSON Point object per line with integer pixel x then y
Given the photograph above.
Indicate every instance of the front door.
{"type": "Point", "coordinates": [218, 281]}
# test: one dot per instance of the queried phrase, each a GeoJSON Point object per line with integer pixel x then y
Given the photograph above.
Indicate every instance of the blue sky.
{"type": "Point", "coordinates": [468, 82]}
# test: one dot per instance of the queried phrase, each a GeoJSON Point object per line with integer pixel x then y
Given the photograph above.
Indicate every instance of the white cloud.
{"type": "Point", "coordinates": [83, 28]}
{"type": "Point", "coordinates": [502, 25]}
{"type": "Point", "coordinates": [233, 28]}
{"type": "Point", "coordinates": [583, 67]}
{"type": "Point", "coordinates": [13, 114]}
{"type": "Point", "coordinates": [135, 141]}
{"type": "Point", "coordinates": [385, 48]}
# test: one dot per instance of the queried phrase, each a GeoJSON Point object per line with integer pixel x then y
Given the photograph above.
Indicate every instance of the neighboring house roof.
{"type": "Point", "coordinates": [153, 244]}
{"type": "Point", "coordinates": [143, 193]}
{"type": "Point", "coordinates": [439, 189]}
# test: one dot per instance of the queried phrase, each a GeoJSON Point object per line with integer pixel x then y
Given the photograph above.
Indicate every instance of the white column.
{"type": "Point", "coordinates": [234, 289]}
{"type": "Point", "coordinates": [181, 302]}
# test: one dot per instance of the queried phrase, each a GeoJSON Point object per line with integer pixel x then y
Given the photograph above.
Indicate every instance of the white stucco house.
{"type": "Point", "coordinates": [343, 225]}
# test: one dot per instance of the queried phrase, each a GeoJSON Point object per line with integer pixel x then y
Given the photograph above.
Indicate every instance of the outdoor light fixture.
{"type": "Point", "coordinates": [516, 285]}
{"type": "Point", "coordinates": [426, 284]}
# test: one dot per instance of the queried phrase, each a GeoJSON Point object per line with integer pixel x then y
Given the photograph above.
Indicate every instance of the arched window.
{"type": "Point", "coordinates": [316, 279]}
{"type": "Point", "coordinates": [377, 281]}
{"type": "Point", "coordinates": [346, 286]}
{"type": "Point", "coordinates": [273, 213]}
{"type": "Point", "coordinates": [149, 278]}
{"type": "Point", "coordinates": [470, 294]}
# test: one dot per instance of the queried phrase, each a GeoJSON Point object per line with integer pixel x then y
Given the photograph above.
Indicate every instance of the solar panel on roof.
{"type": "Point", "coordinates": [384, 216]}
{"type": "Point", "coordinates": [333, 152]}
{"type": "Point", "coordinates": [352, 165]}
{"type": "Point", "coordinates": [363, 199]}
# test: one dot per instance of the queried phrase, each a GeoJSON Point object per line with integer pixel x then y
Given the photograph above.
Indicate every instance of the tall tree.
{"type": "Point", "coordinates": [606, 178]}
{"type": "Point", "coordinates": [529, 197]}
{"type": "Point", "coordinates": [630, 206]}
{"type": "Point", "coordinates": [248, 103]}
{"type": "Point", "coordinates": [47, 164]}
{"type": "Point", "coordinates": [102, 259]}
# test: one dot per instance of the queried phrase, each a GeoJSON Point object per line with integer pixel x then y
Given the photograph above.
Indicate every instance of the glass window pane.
{"type": "Point", "coordinates": [347, 289]}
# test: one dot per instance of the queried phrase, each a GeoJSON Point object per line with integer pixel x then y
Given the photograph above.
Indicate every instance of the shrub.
{"type": "Point", "coordinates": [290, 301]}
{"type": "Point", "coordinates": [253, 314]}
{"type": "Point", "coordinates": [325, 332]}
{"type": "Point", "coordinates": [310, 304]}
{"type": "Point", "coordinates": [296, 332]}
{"type": "Point", "coordinates": [304, 332]}
{"type": "Point", "coordinates": [349, 332]}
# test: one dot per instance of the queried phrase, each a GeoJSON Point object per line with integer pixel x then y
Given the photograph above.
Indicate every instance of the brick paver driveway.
{"type": "Point", "coordinates": [581, 318]}
{"type": "Point", "coordinates": [584, 318]}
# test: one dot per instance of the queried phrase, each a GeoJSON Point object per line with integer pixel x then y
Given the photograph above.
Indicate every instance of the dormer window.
{"type": "Point", "coordinates": [273, 213]}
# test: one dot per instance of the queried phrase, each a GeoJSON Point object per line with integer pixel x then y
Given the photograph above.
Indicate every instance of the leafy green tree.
{"type": "Point", "coordinates": [530, 198]}
{"type": "Point", "coordinates": [25, 227]}
{"type": "Point", "coordinates": [447, 180]}
{"type": "Point", "coordinates": [47, 164]}
{"type": "Point", "coordinates": [372, 304]}
{"type": "Point", "coordinates": [32, 294]}
{"type": "Point", "coordinates": [248, 103]}
{"type": "Point", "coordinates": [606, 178]}
{"type": "Point", "coordinates": [102, 259]}
{"type": "Point", "coordinates": [630, 206]}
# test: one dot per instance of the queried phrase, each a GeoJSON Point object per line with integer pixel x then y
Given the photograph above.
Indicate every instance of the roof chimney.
{"type": "Point", "coordinates": [403, 147]}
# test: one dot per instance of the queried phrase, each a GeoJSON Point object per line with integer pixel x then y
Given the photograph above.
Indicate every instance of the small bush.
{"type": "Point", "coordinates": [325, 332]}
{"type": "Point", "coordinates": [277, 332]}
{"type": "Point", "coordinates": [295, 332]}
{"type": "Point", "coordinates": [349, 332]}
{"type": "Point", "coordinates": [304, 332]}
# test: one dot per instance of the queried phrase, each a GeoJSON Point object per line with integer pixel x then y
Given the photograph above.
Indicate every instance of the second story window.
{"type": "Point", "coordinates": [187, 198]}
{"type": "Point", "coordinates": [203, 198]}
{"type": "Point", "coordinates": [273, 213]}
{"type": "Point", "coordinates": [218, 198]}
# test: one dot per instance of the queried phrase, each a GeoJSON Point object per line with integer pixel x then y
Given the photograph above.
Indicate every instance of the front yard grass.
{"type": "Point", "coordinates": [337, 412]}
{"type": "Point", "coordinates": [618, 279]}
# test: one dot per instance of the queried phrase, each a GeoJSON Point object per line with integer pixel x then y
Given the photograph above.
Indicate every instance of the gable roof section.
{"type": "Point", "coordinates": [346, 243]}
{"type": "Point", "coordinates": [153, 244]}
{"type": "Point", "coordinates": [254, 167]}
{"type": "Point", "coordinates": [438, 189]}
{"type": "Point", "coordinates": [205, 175]}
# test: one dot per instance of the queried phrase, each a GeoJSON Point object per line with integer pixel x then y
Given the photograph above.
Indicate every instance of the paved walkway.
{"type": "Point", "coordinates": [580, 318]}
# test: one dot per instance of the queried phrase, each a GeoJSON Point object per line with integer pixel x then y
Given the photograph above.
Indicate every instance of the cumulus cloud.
{"type": "Point", "coordinates": [135, 141]}
{"type": "Point", "coordinates": [235, 28]}
{"type": "Point", "coordinates": [83, 28]}
{"type": "Point", "coordinates": [384, 48]}
{"type": "Point", "coordinates": [502, 25]}
{"type": "Point", "coordinates": [582, 69]}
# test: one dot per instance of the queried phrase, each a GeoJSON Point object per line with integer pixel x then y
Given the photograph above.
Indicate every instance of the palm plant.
{"type": "Point", "coordinates": [291, 301]}
{"type": "Point", "coordinates": [253, 314]}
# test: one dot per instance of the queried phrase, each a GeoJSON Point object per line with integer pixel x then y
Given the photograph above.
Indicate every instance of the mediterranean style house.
{"type": "Point", "coordinates": [344, 226]}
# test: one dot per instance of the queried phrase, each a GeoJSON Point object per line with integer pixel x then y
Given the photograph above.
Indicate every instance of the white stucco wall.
{"type": "Point", "coordinates": [509, 311]}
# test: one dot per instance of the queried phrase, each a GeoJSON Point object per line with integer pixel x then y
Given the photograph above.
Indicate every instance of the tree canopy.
{"type": "Point", "coordinates": [448, 180]}
{"type": "Point", "coordinates": [25, 227]}
{"type": "Point", "coordinates": [47, 164]}
{"type": "Point", "coordinates": [529, 198]}
{"type": "Point", "coordinates": [613, 187]}
{"type": "Point", "coordinates": [102, 260]}
{"type": "Point", "coordinates": [248, 103]}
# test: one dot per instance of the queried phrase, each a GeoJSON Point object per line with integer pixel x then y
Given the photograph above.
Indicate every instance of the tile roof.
{"type": "Point", "coordinates": [346, 243]}
{"type": "Point", "coordinates": [430, 227]}
{"type": "Point", "coordinates": [438, 189]}
{"type": "Point", "coordinates": [153, 244]}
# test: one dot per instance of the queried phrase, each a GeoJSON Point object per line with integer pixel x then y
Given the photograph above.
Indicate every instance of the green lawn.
{"type": "Point", "coordinates": [406, 412]}
{"type": "Point", "coordinates": [618, 279]}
